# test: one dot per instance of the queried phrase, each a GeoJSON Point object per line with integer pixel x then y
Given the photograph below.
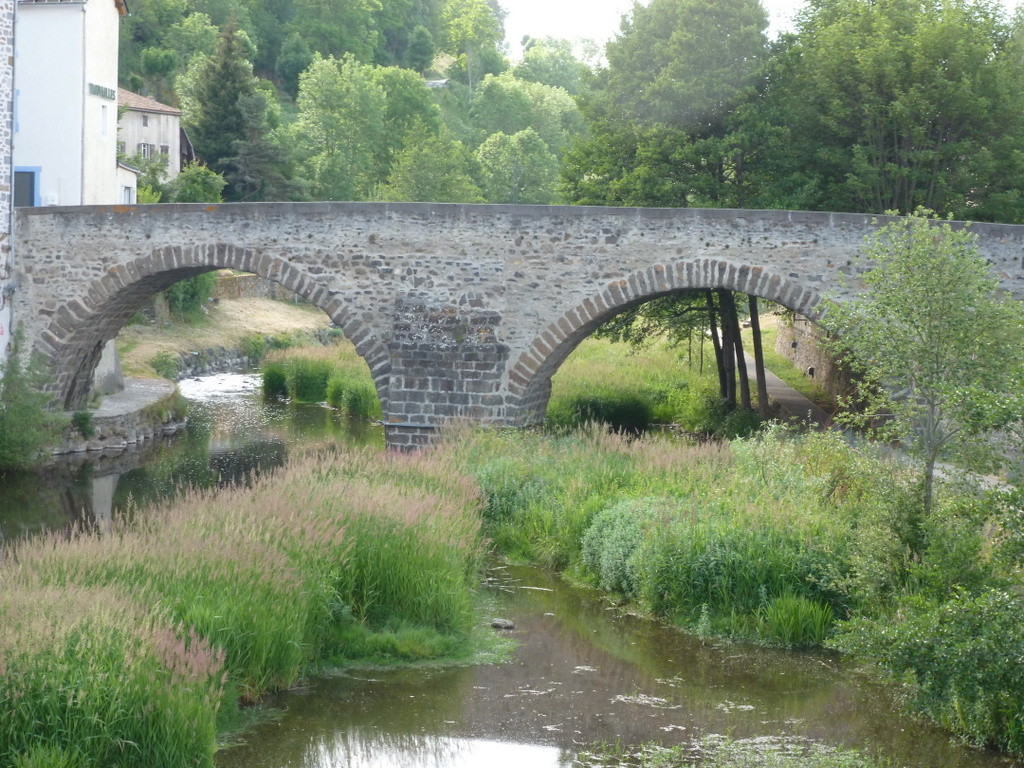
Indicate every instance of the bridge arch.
{"type": "Point", "coordinates": [74, 337]}
{"type": "Point", "coordinates": [530, 375]}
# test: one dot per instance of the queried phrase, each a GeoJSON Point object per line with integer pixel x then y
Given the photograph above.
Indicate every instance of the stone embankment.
{"type": "Point", "coordinates": [145, 410]}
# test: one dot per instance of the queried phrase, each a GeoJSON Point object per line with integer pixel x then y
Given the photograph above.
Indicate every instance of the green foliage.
{"type": "Point", "coordinates": [517, 169]}
{"type": "Point", "coordinates": [611, 543]}
{"type": "Point", "coordinates": [187, 298]}
{"type": "Point", "coordinates": [148, 195]}
{"type": "Point", "coordinates": [471, 29]}
{"type": "Point", "coordinates": [123, 648]}
{"type": "Point", "coordinates": [165, 364]}
{"type": "Point", "coordinates": [433, 167]}
{"type": "Point", "coordinates": [551, 62]}
{"type": "Point", "coordinates": [218, 119]}
{"type": "Point", "coordinates": [792, 620]}
{"type": "Point", "coordinates": [349, 391]}
{"type": "Point", "coordinates": [900, 104]}
{"type": "Point", "coordinates": [27, 426]}
{"type": "Point", "coordinates": [196, 184]}
{"type": "Point", "coordinates": [627, 412]}
{"type": "Point", "coordinates": [961, 658]}
{"type": "Point", "coordinates": [307, 379]}
{"type": "Point", "coordinates": [81, 421]}
{"type": "Point", "coordinates": [948, 372]}
{"type": "Point", "coordinates": [339, 131]}
{"type": "Point", "coordinates": [295, 57]}
{"type": "Point", "coordinates": [419, 55]}
{"type": "Point", "coordinates": [506, 104]}
{"type": "Point", "coordinates": [275, 380]}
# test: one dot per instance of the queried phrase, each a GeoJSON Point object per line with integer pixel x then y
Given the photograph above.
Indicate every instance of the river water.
{"type": "Point", "coordinates": [583, 672]}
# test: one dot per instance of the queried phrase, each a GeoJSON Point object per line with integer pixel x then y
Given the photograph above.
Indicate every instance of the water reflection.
{"type": "Point", "coordinates": [586, 674]}
{"type": "Point", "coordinates": [232, 434]}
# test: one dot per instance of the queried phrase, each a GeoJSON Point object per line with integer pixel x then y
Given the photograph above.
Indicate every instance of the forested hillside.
{"type": "Point", "coordinates": [866, 106]}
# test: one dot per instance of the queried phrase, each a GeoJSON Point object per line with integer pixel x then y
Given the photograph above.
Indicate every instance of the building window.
{"type": "Point", "coordinates": [103, 120]}
{"type": "Point", "coordinates": [145, 121]}
{"type": "Point", "coordinates": [146, 150]}
{"type": "Point", "coordinates": [121, 148]}
{"type": "Point", "coordinates": [164, 149]}
{"type": "Point", "coordinates": [128, 195]}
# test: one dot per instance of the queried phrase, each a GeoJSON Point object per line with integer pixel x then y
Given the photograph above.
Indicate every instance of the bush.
{"type": "Point", "coordinates": [963, 659]}
{"type": "Point", "coordinates": [275, 380]}
{"type": "Point", "coordinates": [26, 424]}
{"type": "Point", "coordinates": [623, 412]}
{"type": "Point", "coordinates": [353, 394]}
{"type": "Point", "coordinates": [307, 379]}
{"type": "Point", "coordinates": [613, 538]}
{"type": "Point", "coordinates": [82, 422]}
{"type": "Point", "coordinates": [165, 364]}
{"type": "Point", "coordinates": [187, 298]}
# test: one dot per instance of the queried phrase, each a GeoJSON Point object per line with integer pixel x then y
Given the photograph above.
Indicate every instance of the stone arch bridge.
{"type": "Point", "coordinates": [458, 310]}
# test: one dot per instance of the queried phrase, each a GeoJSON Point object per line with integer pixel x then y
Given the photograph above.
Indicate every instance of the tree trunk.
{"type": "Point", "coordinates": [723, 387]}
{"type": "Point", "coordinates": [731, 321]}
{"type": "Point", "coordinates": [762, 383]}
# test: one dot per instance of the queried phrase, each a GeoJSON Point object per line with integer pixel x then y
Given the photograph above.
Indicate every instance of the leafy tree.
{"type": "Point", "coordinates": [158, 66]}
{"type": "Point", "coordinates": [339, 132]}
{"type": "Point", "coordinates": [408, 103]}
{"type": "Point", "coordinates": [145, 28]}
{"type": "Point", "coordinates": [294, 59]}
{"type": "Point", "coordinates": [939, 349]}
{"type": "Point", "coordinates": [550, 61]}
{"type": "Point", "coordinates": [895, 104]}
{"type": "Point", "coordinates": [686, 63]}
{"type": "Point", "coordinates": [193, 34]}
{"type": "Point", "coordinates": [420, 52]}
{"type": "Point", "coordinates": [505, 104]}
{"type": "Point", "coordinates": [26, 424]}
{"type": "Point", "coordinates": [472, 27]}
{"type": "Point", "coordinates": [433, 167]}
{"type": "Point", "coordinates": [518, 168]}
{"type": "Point", "coordinates": [215, 117]}
{"type": "Point", "coordinates": [196, 184]}
{"type": "Point", "coordinates": [338, 27]}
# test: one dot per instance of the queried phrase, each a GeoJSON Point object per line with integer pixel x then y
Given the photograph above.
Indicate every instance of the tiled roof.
{"type": "Point", "coordinates": [122, 9]}
{"type": "Point", "coordinates": [142, 103]}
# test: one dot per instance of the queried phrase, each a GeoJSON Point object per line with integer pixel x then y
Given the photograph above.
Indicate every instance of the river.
{"type": "Point", "coordinates": [583, 672]}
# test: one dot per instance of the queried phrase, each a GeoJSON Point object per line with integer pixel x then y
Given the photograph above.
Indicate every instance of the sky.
{"type": "Point", "coordinates": [599, 19]}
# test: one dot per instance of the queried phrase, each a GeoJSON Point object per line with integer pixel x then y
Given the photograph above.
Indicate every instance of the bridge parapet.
{"type": "Point", "coordinates": [459, 311]}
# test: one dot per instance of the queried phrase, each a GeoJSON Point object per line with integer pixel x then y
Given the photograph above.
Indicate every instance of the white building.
{"type": "Point", "coordinates": [151, 129]}
{"type": "Point", "coordinates": [65, 103]}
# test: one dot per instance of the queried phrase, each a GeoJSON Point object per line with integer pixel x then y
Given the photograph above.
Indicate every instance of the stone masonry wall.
{"type": "Point", "coordinates": [6, 171]}
{"type": "Point", "coordinates": [458, 310]}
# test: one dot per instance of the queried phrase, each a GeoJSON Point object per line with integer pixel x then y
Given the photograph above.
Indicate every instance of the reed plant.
{"type": "Point", "coordinates": [327, 559]}
{"type": "Point", "coordinates": [335, 374]}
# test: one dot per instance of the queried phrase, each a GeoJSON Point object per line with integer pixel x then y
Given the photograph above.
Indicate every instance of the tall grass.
{"type": "Point", "coordinates": [328, 559]}
{"type": "Point", "coordinates": [759, 537]}
{"type": "Point", "coordinates": [334, 374]}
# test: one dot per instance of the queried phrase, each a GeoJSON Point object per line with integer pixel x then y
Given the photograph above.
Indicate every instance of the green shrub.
{"type": "Point", "coordinates": [27, 426]}
{"type": "Point", "coordinates": [187, 298]}
{"type": "Point", "coordinates": [307, 379]}
{"type": "Point", "coordinates": [793, 620]}
{"type": "Point", "coordinates": [165, 364]}
{"type": "Point", "coordinates": [82, 422]}
{"type": "Point", "coordinates": [49, 756]}
{"type": "Point", "coordinates": [621, 411]}
{"type": "Point", "coordinates": [354, 394]}
{"type": "Point", "coordinates": [253, 346]}
{"type": "Point", "coordinates": [613, 538]}
{"type": "Point", "coordinates": [741, 422]}
{"type": "Point", "coordinates": [700, 409]}
{"type": "Point", "coordinates": [962, 658]}
{"type": "Point", "coordinates": [275, 380]}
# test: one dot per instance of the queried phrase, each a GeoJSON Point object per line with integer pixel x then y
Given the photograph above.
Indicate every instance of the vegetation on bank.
{"type": "Point", "coordinates": [335, 375]}
{"type": "Point", "coordinates": [27, 425]}
{"type": "Point", "coordinates": [134, 647]}
{"type": "Point", "coordinates": [784, 539]}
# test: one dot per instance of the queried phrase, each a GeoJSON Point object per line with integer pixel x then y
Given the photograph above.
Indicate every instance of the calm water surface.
{"type": "Point", "coordinates": [583, 672]}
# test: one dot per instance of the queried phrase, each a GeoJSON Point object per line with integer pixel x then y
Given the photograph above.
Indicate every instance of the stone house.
{"type": "Point", "coordinates": [151, 129]}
